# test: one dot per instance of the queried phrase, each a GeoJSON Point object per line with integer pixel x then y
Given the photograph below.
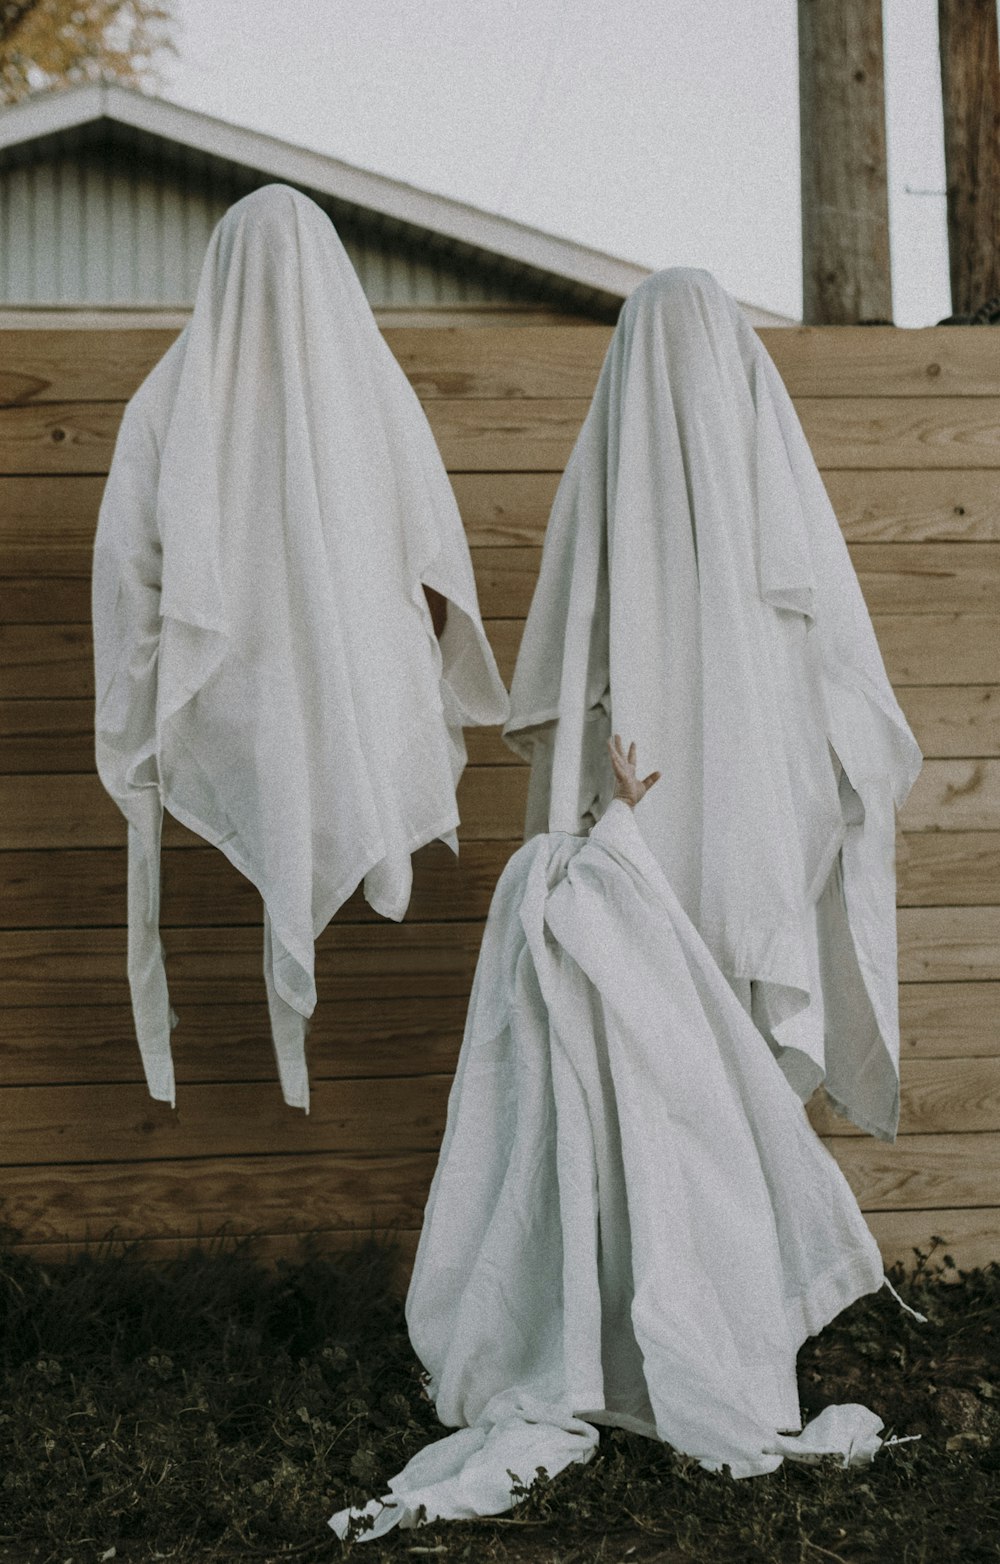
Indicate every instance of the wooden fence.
{"type": "Point", "coordinates": [905, 426]}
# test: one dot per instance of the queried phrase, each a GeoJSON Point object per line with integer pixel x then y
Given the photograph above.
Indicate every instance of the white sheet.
{"type": "Point", "coordinates": [696, 594]}
{"type": "Point", "coordinates": [632, 1221]}
{"type": "Point", "coordinates": [266, 665]}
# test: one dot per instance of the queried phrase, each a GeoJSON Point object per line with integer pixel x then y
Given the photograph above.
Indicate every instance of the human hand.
{"type": "Point", "coordinates": [628, 787]}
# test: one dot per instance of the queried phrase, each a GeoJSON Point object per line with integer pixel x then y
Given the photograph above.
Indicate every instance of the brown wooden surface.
{"type": "Point", "coordinates": [846, 274]}
{"type": "Point", "coordinates": [968, 1234]}
{"type": "Point", "coordinates": [72, 810]}
{"type": "Point", "coordinates": [55, 661]}
{"type": "Point", "coordinates": [74, 364]}
{"type": "Point", "coordinates": [970, 93]}
{"type": "Point", "coordinates": [487, 434]}
{"type": "Point", "coordinates": [907, 429]}
{"type": "Point", "coordinates": [43, 1044]}
{"type": "Point", "coordinates": [50, 734]}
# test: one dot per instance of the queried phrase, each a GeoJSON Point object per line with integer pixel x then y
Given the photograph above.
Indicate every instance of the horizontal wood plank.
{"type": "Point", "coordinates": [65, 365]}
{"type": "Point", "coordinates": [971, 1236]}
{"type": "Point", "coordinates": [55, 661]}
{"type": "Point", "coordinates": [85, 887]}
{"type": "Point", "coordinates": [849, 361]}
{"type": "Point", "coordinates": [921, 1172]}
{"type": "Point", "coordinates": [937, 1096]}
{"type": "Point", "coordinates": [80, 363]}
{"type": "Point", "coordinates": [949, 944]}
{"type": "Point", "coordinates": [50, 734]}
{"type": "Point", "coordinates": [946, 868]}
{"type": "Point", "coordinates": [954, 721]}
{"type": "Point", "coordinates": [222, 966]}
{"type": "Point", "coordinates": [954, 795]}
{"type": "Point", "coordinates": [924, 506]}
{"type": "Point", "coordinates": [520, 435]}
{"type": "Point", "coordinates": [949, 1020]}
{"type": "Point", "coordinates": [47, 522]}
{"type": "Point", "coordinates": [73, 810]}
{"type": "Point", "coordinates": [902, 432]}
{"type": "Point", "coordinates": [122, 1123]}
{"type": "Point", "coordinates": [203, 1195]}
{"type": "Point", "coordinates": [267, 1249]}
{"type": "Point", "coordinates": [911, 578]}
{"type": "Point", "coordinates": [373, 1036]}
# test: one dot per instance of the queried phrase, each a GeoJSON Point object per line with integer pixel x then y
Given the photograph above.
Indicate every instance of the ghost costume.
{"type": "Point", "coordinates": [696, 593]}
{"type": "Point", "coordinates": [266, 663]}
{"type": "Point", "coordinates": [632, 1221]}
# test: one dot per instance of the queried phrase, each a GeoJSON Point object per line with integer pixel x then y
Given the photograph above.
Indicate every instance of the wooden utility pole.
{"type": "Point", "coordinates": [845, 200]}
{"type": "Point", "coordinates": [970, 88]}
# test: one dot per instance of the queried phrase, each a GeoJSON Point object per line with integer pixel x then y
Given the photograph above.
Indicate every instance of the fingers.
{"type": "Point", "coordinates": [654, 776]}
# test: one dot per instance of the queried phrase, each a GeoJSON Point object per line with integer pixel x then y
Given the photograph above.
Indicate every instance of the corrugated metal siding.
{"type": "Point", "coordinates": [108, 216]}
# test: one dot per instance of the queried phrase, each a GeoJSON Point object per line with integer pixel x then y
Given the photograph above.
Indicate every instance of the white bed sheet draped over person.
{"type": "Point", "coordinates": [266, 663]}
{"type": "Point", "coordinates": [632, 1221]}
{"type": "Point", "coordinates": [696, 593]}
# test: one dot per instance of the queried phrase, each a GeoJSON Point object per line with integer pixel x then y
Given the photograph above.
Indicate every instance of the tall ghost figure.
{"type": "Point", "coordinates": [696, 594]}
{"type": "Point", "coordinates": [266, 663]}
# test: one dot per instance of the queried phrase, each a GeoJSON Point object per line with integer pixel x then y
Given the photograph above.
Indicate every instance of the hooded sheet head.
{"type": "Point", "coordinates": [696, 593]}
{"type": "Point", "coordinates": [265, 658]}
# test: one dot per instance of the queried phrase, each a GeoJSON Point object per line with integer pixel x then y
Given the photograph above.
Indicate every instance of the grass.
{"type": "Point", "coordinates": [213, 1409]}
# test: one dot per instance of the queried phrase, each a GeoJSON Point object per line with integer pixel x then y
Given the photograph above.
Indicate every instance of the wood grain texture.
{"type": "Point", "coordinates": [949, 1020]}
{"type": "Point", "coordinates": [222, 966]}
{"type": "Point", "coordinates": [203, 1195]}
{"type": "Point", "coordinates": [43, 1044]}
{"type": "Point", "coordinates": [267, 1249]}
{"type": "Point", "coordinates": [47, 522]}
{"type": "Point", "coordinates": [373, 1036]}
{"type": "Point", "coordinates": [846, 275]}
{"type": "Point", "coordinates": [946, 868]}
{"type": "Point", "coordinates": [902, 432]}
{"type": "Point", "coordinates": [55, 661]}
{"type": "Point", "coordinates": [971, 1236]}
{"type": "Point", "coordinates": [73, 810]}
{"type": "Point", "coordinates": [937, 1096]}
{"type": "Point", "coordinates": [62, 364]}
{"type": "Point", "coordinates": [954, 795]}
{"type": "Point", "coordinates": [50, 734]}
{"type": "Point", "coordinates": [290, 1193]}
{"type": "Point", "coordinates": [85, 887]}
{"type": "Point", "coordinates": [927, 506]}
{"type": "Point", "coordinates": [122, 1123]}
{"type": "Point", "coordinates": [905, 426]}
{"type": "Point", "coordinates": [957, 722]}
{"type": "Point", "coordinates": [921, 1172]}
{"type": "Point", "coordinates": [521, 435]}
{"type": "Point", "coordinates": [948, 944]}
{"type": "Point", "coordinates": [914, 578]}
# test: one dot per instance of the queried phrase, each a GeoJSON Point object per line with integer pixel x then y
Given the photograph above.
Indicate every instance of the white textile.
{"type": "Point", "coordinates": [266, 664]}
{"type": "Point", "coordinates": [632, 1221]}
{"type": "Point", "coordinates": [696, 595]}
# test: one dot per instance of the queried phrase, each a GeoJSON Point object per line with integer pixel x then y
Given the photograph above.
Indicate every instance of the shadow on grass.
{"type": "Point", "coordinates": [212, 1408]}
